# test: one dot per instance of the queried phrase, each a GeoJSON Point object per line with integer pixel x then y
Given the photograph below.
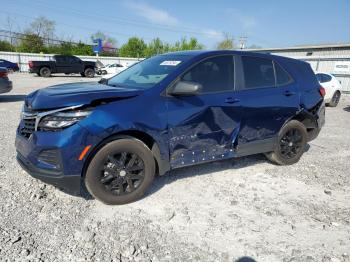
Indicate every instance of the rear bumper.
{"type": "Point", "coordinates": [70, 184]}
{"type": "Point", "coordinates": [320, 121]}
{"type": "Point", "coordinates": [5, 86]}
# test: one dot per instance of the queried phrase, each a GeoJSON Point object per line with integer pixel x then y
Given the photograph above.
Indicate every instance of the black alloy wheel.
{"type": "Point", "coordinates": [120, 172]}
{"type": "Point", "coordinates": [291, 143]}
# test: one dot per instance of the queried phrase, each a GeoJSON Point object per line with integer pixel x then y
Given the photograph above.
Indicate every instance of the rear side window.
{"type": "Point", "coordinates": [214, 74]}
{"type": "Point", "coordinates": [323, 78]}
{"type": "Point", "coordinates": [282, 77]}
{"type": "Point", "coordinates": [258, 72]}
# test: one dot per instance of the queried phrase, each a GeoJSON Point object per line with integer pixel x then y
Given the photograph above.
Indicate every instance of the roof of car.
{"type": "Point", "coordinates": [218, 52]}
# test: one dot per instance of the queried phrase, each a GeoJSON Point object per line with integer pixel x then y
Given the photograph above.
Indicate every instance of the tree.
{"type": "Point", "coordinates": [42, 27]}
{"type": "Point", "coordinates": [227, 43]}
{"type": "Point", "coordinates": [135, 47]}
{"type": "Point", "coordinates": [5, 46]}
{"type": "Point", "coordinates": [183, 45]}
{"type": "Point", "coordinates": [156, 46]}
{"type": "Point", "coordinates": [31, 43]}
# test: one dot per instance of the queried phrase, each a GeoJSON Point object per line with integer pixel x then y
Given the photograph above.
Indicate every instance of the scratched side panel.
{"type": "Point", "coordinates": [201, 129]}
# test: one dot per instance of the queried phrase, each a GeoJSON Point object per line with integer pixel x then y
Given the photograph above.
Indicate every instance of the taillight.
{"type": "Point", "coordinates": [322, 91]}
{"type": "Point", "coordinates": [3, 74]}
{"type": "Point", "coordinates": [30, 63]}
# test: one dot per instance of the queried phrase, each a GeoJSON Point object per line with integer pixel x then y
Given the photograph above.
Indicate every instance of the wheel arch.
{"type": "Point", "coordinates": [162, 165]}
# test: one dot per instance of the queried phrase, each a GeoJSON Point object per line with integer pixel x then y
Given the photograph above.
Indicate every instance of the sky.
{"type": "Point", "coordinates": [266, 23]}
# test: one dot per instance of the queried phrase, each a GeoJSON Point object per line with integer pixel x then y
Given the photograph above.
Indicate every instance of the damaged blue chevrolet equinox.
{"type": "Point", "coordinates": [169, 111]}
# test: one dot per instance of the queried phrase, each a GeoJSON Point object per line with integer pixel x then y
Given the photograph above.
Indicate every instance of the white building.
{"type": "Point", "coordinates": [334, 59]}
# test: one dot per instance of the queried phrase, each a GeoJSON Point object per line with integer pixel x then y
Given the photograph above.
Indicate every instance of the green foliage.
{"type": "Point", "coordinates": [156, 46]}
{"type": "Point", "coordinates": [5, 46]}
{"type": "Point", "coordinates": [31, 43]}
{"type": "Point", "coordinates": [135, 47]}
{"type": "Point", "coordinates": [227, 43]}
{"type": "Point", "coordinates": [183, 45]}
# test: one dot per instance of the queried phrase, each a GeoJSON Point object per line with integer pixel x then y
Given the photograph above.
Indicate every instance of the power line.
{"type": "Point", "coordinates": [127, 21]}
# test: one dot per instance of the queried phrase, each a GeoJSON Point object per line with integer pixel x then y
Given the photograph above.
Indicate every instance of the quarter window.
{"type": "Point", "coordinates": [214, 74]}
{"type": "Point", "coordinates": [282, 77]}
{"type": "Point", "coordinates": [258, 72]}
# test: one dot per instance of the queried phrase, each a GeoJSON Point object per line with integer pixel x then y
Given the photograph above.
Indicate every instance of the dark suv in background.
{"type": "Point", "coordinates": [62, 64]}
{"type": "Point", "coordinates": [166, 112]}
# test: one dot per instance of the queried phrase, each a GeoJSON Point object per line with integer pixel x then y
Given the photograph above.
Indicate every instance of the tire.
{"type": "Point", "coordinates": [38, 74]}
{"type": "Point", "coordinates": [45, 72]}
{"type": "Point", "coordinates": [82, 74]}
{"type": "Point", "coordinates": [110, 172]}
{"type": "Point", "coordinates": [89, 72]}
{"type": "Point", "coordinates": [335, 99]}
{"type": "Point", "coordinates": [290, 145]}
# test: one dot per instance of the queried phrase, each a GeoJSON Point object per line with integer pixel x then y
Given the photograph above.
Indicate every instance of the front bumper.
{"type": "Point", "coordinates": [70, 184]}
{"type": "Point", "coordinates": [53, 157]}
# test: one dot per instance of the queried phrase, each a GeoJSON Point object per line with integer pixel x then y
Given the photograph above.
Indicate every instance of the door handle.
{"type": "Point", "coordinates": [289, 93]}
{"type": "Point", "coordinates": [231, 100]}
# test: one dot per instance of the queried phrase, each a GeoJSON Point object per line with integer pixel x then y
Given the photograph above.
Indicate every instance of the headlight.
{"type": "Point", "coordinates": [62, 120]}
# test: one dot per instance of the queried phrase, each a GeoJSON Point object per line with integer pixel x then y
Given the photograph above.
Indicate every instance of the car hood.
{"type": "Point", "coordinates": [65, 95]}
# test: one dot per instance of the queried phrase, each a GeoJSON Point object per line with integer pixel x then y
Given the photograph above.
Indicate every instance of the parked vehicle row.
{"type": "Point", "coordinates": [5, 83]}
{"type": "Point", "coordinates": [111, 69]}
{"type": "Point", "coordinates": [332, 86]}
{"type": "Point", "coordinates": [9, 65]}
{"type": "Point", "coordinates": [166, 112]}
{"type": "Point", "coordinates": [63, 64]}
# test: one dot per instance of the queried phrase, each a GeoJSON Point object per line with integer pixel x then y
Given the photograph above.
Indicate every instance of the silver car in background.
{"type": "Point", "coordinates": [5, 83]}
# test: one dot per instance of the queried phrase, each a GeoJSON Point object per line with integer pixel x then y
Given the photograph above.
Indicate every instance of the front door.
{"type": "Point", "coordinates": [202, 127]}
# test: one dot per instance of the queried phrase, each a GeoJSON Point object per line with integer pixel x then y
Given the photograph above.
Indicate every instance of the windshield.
{"type": "Point", "coordinates": [149, 72]}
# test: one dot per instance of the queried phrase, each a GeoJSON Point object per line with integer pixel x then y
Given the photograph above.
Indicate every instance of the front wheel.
{"type": "Point", "coordinates": [120, 172]}
{"type": "Point", "coordinates": [290, 144]}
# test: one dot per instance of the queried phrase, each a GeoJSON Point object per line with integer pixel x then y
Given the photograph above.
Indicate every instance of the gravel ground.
{"type": "Point", "coordinates": [221, 211]}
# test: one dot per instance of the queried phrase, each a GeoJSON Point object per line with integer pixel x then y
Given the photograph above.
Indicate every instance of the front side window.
{"type": "Point", "coordinates": [214, 74]}
{"type": "Point", "coordinates": [148, 72]}
{"type": "Point", "coordinates": [258, 72]}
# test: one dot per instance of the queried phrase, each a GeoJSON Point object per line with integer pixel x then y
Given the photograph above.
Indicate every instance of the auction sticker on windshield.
{"type": "Point", "coordinates": [170, 63]}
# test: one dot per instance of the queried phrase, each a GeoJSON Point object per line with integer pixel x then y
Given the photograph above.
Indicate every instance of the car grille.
{"type": "Point", "coordinates": [28, 127]}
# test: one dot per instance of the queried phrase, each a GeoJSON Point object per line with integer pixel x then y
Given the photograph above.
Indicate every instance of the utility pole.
{"type": "Point", "coordinates": [242, 41]}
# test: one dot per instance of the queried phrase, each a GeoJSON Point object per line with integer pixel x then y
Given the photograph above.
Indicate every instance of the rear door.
{"type": "Point", "coordinates": [201, 127]}
{"type": "Point", "coordinates": [267, 96]}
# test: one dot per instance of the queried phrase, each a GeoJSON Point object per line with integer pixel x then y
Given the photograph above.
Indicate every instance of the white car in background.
{"type": "Point", "coordinates": [112, 69]}
{"type": "Point", "coordinates": [332, 86]}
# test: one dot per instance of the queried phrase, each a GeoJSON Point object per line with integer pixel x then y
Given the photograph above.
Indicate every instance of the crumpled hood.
{"type": "Point", "coordinates": [65, 95]}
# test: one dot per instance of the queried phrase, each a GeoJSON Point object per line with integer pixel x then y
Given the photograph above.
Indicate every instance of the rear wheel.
{"type": "Point", "coordinates": [120, 172]}
{"type": "Point", "coordinates": [45, 72]}
{"type": "Point", "coordinates": [335, 99]}
{"type": "Point", "coordinates": [290, 145]}
{"type": "Point", "coordinates": [89, 72]}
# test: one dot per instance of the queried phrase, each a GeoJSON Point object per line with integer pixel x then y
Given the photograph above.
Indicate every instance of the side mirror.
{"type": "Point", "coordinates": [103, 81]}
{"type": "Point", "coordinates": [185, 88]}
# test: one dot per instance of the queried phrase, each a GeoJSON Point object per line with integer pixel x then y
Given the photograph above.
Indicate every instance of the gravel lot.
{"type": "Point", "coordinates": [222, 211]}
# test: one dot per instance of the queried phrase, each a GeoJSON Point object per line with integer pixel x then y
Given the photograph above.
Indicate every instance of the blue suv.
{"type": "Point", "coordinates": [166, 112]}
